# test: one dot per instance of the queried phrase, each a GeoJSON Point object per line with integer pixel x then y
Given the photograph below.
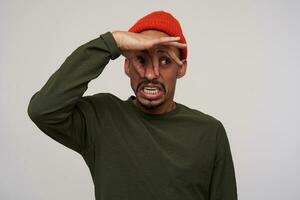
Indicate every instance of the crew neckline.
{"type": "Point", "coordinates": [153, 116]}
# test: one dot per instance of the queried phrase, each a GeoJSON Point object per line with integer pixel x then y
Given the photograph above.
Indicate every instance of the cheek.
{"type": "Point", "coordinates": [172, 85]}
{"type": "Point", "coordinates": [169, 78]}
{"type": "Point", "coordinates": [134, 80]}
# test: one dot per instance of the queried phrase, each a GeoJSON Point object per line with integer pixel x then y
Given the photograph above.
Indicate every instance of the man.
{"type": "Point", "coordinates": [148, 147]}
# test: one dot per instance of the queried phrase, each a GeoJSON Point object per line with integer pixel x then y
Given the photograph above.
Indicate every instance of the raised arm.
{"type": "Point", "coordinates": [59, 109]}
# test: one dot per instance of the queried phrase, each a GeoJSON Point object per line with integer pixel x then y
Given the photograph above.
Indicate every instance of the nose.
{"type": "Point", "coordinates": [152, 71]}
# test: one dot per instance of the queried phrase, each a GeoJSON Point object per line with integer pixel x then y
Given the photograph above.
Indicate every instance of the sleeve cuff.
{"type": "Point", "coordinates": [111, 44]}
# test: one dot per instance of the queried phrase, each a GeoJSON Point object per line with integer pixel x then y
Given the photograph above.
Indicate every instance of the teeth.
{"type": "Point", "coordinates": [150, 90]}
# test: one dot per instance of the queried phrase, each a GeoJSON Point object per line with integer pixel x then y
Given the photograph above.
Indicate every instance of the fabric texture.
{"type": "Point", "coordinates": [161, 21]}
{"type": "Point", "coordinates": [180, 155]}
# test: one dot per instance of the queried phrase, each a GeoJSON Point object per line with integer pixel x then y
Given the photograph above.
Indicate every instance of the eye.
{"type": "Point", "coordinates": [164, 61]}
{"type": "Point", "coordinates": [141, 59]}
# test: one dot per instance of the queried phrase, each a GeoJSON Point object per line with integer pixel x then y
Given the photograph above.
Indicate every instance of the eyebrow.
{"type": "Point", "coordinates": [161, 51]}
{"type": "Point", "coordinates": [158, 50]}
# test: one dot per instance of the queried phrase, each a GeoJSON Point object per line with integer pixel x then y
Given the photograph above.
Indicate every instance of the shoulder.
{"type": "Point", "coordinates": [212, 126]}
{"type": "Point", "coordinates": [200, 115]}
{"type": "Point", "coordinates": [99, 100]}
{"type": "Point", "coordinates": [201, 118]}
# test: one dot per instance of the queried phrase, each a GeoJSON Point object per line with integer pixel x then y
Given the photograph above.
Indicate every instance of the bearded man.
{"type": "Point", "coordinates": [147, 147]}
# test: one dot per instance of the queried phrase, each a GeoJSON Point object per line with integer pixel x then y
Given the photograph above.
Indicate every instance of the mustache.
{"type": "Point", "coordinates": [145, 82]}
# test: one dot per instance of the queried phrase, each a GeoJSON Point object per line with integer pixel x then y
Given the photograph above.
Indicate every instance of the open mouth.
{"type": "Point", "coordinates": [151, 92]}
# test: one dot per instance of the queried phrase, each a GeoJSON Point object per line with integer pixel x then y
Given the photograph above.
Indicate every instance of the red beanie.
{"type": "Point", "coordinates": [161, 21]}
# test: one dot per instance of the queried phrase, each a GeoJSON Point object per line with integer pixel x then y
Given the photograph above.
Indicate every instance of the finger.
{"type": "Point", "coordinates": [133, 61]}
{"type": "Point", "coordinates": [156, 70]}
{"type": "Point", "coordinates": [165, 40]}
{"type": "Point", "coordinates": [155, 64]}
{"type": "Point", "coordinates": [138, 67]}
{"type": "Point", "coordinates": [173, 55]}
{"type": "Point", "coordinates": [176, 44]}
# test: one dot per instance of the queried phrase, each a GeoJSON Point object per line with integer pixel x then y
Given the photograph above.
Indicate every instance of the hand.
{"type": "Point", "coordinates": [127, 41]}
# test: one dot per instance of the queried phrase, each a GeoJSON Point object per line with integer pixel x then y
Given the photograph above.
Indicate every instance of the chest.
{"type": "Point", "coordinates": [165, 155]}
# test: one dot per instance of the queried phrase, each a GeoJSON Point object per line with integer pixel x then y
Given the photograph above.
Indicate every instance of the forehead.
{"type": "Point", "coordinates": [156, 33]}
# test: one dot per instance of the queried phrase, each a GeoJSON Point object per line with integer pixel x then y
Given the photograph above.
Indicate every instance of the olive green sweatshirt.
{"type": "Point", "coordinates": [180, 155]}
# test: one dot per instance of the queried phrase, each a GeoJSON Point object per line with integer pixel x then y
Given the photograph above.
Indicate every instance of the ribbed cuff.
{"type": "Point", "coordinates": [111, 44]}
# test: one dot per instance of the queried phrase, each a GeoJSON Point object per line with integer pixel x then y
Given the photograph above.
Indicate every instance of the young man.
{"type": "Point", "coordinates": [148, 147]}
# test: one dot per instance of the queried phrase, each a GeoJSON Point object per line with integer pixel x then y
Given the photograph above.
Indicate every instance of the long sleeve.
{"type": "Point", "coordinates": [223, 182]}
{"type": "Point", "coordinates": [58, 108]}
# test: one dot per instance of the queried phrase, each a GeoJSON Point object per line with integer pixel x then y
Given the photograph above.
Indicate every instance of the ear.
{"type": "Point", "coordinates": [182, 69]}
{"type": "Point", "coordinates": [126, 67]}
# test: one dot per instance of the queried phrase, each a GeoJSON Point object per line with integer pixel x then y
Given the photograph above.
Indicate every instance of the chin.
{"type": "Point", "coordinates": [149, 104]}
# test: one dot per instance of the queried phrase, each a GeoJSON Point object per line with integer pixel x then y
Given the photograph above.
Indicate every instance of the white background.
{"type": "Point", "coordinates": [243, 68]}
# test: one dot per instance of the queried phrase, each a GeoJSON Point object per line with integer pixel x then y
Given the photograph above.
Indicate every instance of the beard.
{"type": "Point", "coordinates": [149, 104]}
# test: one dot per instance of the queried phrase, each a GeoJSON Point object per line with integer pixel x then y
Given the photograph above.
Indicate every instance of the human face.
{"type": "Point", "coordinates": [154, 89]}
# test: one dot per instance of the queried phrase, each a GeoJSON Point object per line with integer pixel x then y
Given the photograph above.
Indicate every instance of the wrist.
{"type": "Point", "coordinates": [117, 37]}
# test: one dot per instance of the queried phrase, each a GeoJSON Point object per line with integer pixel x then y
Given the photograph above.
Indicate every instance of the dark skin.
{"type": "Point", "coordinates": [152, 63]}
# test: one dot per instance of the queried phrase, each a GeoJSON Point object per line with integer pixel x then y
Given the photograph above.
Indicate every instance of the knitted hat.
{"type": "Point", "coordinates": [161, 21]}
